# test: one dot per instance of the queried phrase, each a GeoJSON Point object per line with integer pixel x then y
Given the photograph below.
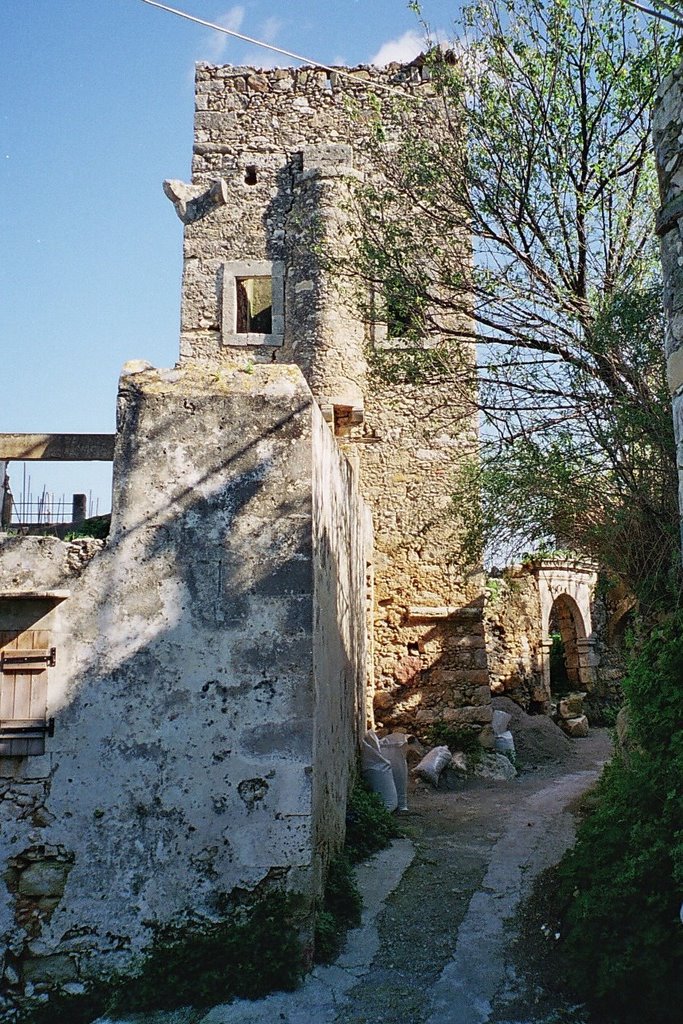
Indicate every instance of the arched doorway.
{"type": "Point", "coordinates": [565, 628]}
{"type": "Point", "coordinates": [565, 589]}
{"type": "Point", "coordinates": [569, 657]}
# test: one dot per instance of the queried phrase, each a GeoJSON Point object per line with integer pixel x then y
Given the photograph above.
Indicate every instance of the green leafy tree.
{"type": "Point", "coordinates": [539, 152]}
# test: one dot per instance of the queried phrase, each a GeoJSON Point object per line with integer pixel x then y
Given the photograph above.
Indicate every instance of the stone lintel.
{"type": "Point", "coordinates": [443, 612]}
{"type": "Point", "coordinates": [58, 447]}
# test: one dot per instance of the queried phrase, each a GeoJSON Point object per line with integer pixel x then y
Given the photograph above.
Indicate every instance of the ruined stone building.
{"type": "Point", "coordinates": [181, 705]}
{"type": "Point", "coordinates": [556, 615]}
{"type": "Point", "coordinates": [276, 155]}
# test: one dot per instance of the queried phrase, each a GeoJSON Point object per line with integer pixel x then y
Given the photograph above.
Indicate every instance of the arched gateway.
{"type": "Point", "coordinates": [565, 589]}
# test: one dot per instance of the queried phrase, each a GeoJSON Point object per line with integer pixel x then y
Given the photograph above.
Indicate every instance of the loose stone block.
{"type": "Point", "coordinates": [577, 728]}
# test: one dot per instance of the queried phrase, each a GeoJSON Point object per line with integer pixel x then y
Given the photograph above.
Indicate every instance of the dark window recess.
{"type": "Point", "coordinates": [250, 175]}
{"type": "Point", "coordinates": [254, 305]}
{"type": "Point", "coordinates": [342, 419]}
{"type": "Point", "coordinates": [400, 316]}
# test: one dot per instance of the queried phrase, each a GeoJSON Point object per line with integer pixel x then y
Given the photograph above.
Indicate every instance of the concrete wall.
{"type": "Point", "coordinates": [667, 131]}
{"type": "Point", "coordinates": [276, 155]}
{"type": "Point", "coordinates": [209, 678]}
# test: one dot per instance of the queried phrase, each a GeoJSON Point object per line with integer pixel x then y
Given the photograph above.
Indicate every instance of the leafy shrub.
{"type": "Point", "coordinates": [369, 826]}
{"type": "Point", "coordinates": [443, 734]}
{"type": "Point", "coordinates": [620, 887]}
{"type": "Point", "coordinates": [341, 909]}
{"type": "Point", "coordinates": [201, 963]}
{"type": "Point", "coordinates": [96, 526]}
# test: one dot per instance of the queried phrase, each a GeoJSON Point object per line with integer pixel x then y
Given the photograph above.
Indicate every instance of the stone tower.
{"type": "Point", "coordinates": [276, 155]}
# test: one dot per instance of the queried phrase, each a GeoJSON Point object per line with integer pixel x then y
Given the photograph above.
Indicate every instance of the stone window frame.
{"type": "Point", "coordinates": [235, 270]}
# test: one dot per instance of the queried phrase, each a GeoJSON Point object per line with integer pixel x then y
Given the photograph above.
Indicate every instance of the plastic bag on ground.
{"type": "Point", "coordinates": [377, 771]}
{"type": "Point", "coordinates": [504, 743]}
{"type": "Point", "coordinates": [393, 748]}
{"type": "Point", "coordinates": [499, 722]}
{"type": "Point", "coordinates": [432, 764]}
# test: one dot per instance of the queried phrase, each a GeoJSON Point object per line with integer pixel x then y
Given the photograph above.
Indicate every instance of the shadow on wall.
{"type": "Point", "coordinates": [443, 676]}
{"type": "Point", "coordinates": [181, 767]}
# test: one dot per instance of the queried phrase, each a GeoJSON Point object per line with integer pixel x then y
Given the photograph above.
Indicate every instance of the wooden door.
{"type": "Point", "coordinates": [25, 656]}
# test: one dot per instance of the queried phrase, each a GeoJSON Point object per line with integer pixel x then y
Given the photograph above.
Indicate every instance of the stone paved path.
{"type": "Point", "coordinates": [434, 944]}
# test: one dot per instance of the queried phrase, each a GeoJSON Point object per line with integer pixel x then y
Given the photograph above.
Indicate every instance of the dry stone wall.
{"type": "Point", "coordinates": [276, 156]}
{"type": "Point", "coordinates": [209, 679]}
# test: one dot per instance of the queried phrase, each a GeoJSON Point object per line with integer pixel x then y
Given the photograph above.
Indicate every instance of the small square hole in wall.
{"type": "Point", "coordinates": [250, 175]}
{"type": "Point", "coordinates": [254, 305]}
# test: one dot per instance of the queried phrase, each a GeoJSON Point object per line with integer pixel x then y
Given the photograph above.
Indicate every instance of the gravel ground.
{"type": "Point", "coordinates": [447, 953]}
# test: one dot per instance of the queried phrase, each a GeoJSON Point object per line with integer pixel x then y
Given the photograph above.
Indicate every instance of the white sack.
{"type": "Point", "coordinates": [499, 722]}
{"type": "Point", "coordinates": [393, 748]}
{"type": "Point", "coordinates": [377, 771]}
{"type": "Point", "coordinates": [504, 744]}
{"type": "Point", "coordinates": [432, 764]}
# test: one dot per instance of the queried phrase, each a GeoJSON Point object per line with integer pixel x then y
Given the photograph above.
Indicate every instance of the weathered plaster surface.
{"type": "Point", "coordinates": [342, 547]}
{"type": "Point", "coordinates": [202, 741]}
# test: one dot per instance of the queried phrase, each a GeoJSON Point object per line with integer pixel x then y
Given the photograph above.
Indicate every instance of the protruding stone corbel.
{"type": "Point", "coordinates": [193, 201]}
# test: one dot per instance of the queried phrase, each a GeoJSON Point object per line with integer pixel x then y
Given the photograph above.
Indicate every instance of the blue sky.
{"type": "Point", "coordinates": [96, 107]}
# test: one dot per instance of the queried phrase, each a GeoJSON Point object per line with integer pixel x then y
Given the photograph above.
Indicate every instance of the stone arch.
{"type": "Point", "coordinates": [566, 619]}
{"type": "Point", "coordinates": [566, 589]}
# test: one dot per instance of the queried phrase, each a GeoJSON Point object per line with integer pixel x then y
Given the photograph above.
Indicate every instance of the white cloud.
{"type": "Point", "coordinates": [402, 50]}
{"type": "Point", "coordinates": [269, 30]}
{"type": "Point", "coordinates": [407, 47]}
{"type": "Point", "coordinates": [217, 43]}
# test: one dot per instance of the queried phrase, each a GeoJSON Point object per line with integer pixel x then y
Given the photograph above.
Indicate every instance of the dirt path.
{"type": "Point", "coordinates": [447, 928]}
{"type": "Point", "coordinates": [436, 943]}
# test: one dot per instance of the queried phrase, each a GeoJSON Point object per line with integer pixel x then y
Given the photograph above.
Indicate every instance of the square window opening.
{"type": "Point", "coordinates": [254, 305]}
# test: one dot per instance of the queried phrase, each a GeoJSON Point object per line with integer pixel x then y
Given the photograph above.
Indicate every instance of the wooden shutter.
{"type": "Point", "coordinates": [25, 656]}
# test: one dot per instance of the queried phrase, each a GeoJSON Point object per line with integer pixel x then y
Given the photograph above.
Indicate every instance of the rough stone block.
{"type": "Point", "coordinates": [45, 878]}
{"type": "Point", "coordinates": [571, 706]}
{"type": "Point", "coordinates": [57, 969]}
{"type": "Point", "coordinates": [479, 715]}
{"type": "Point", "coordinates": [577, 728]}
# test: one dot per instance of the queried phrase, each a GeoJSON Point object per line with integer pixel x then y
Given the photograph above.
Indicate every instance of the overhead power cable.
{"type": "Point", "coordinates": [673, 19]}
{"type": "Point", "coordinates": [275, 49]}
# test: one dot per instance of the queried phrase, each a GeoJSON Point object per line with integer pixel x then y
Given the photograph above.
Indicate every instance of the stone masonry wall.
{"type": "Point", "coordinates": [514, 635]}
{"type": "Point", "coordinates": [526, 602]}
{"type": "Point", "coordinates": [201, 741]}
{"type": "Point", "coordinates": [668, 142]}
{"type": "Point", "coordinates": [276, 154]}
